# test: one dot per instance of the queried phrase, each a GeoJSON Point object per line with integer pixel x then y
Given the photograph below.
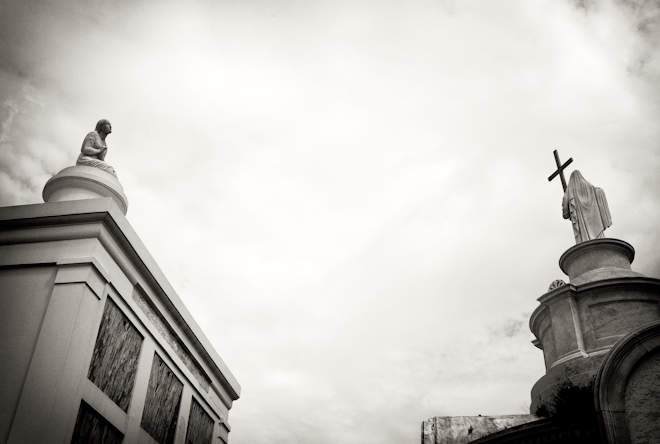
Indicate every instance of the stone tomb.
{"type": "Point", "coordinates": [95, 345]}
{"type": "Point", "coordinates": [600, 336]}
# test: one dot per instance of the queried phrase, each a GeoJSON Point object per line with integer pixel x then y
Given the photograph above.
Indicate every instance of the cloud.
{"type": "Point", "coordinates": [641, 25]}
{"type": "Point", "coordinates": [350, 198]}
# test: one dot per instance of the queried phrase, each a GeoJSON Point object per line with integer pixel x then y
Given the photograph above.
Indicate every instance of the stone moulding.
{"type": "Point", "coordinates": [85, 270]}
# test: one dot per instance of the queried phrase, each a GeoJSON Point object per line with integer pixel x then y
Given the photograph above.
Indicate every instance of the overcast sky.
{"type": "Point", "coordinates": [351, 197]}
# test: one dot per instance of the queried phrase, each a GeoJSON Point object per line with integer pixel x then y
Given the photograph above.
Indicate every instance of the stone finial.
{"type": "Point", "coordinates": [556, 284]}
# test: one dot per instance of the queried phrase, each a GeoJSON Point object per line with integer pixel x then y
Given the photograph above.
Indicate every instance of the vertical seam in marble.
{"type": "Point", "coordinates": [578, 327]}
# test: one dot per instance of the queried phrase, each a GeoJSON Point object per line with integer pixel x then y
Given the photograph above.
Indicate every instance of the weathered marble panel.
{"type": "Point", "coordinates": [620, 317]}
{"type": "Point", "coordinates": [115, 358]}
{"type": "Point", "coordinates": [92, 428]}
{"type": "Point", "coordinates": [200, 425]}
{"type": "Point", "coordinates": [162, 403]}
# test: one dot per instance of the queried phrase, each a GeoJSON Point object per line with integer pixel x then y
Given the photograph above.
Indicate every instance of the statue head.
{"type": "Point", "coordinates": [103, 125]}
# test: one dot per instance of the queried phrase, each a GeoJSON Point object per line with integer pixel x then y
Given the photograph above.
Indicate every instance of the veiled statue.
{"type": "Point", "coordinates": [585, 205]}
{"type": "Point", "coordinates": [94, 148]}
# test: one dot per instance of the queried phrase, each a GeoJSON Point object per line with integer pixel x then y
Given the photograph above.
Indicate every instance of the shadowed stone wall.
{"type": "Point", "coordinates": [642, 400]}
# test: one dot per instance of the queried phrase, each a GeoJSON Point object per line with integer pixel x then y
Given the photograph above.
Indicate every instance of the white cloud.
{"type": "Point", "coordinates": [353, 195]}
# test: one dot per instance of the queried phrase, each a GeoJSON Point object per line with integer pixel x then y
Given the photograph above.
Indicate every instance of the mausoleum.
{"type": "Point", "coordinates": [600, 337]}
{"type": "Point", "coordinates": [95, 344]}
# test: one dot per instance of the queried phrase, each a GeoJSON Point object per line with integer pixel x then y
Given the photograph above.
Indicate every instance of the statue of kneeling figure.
{"type": "Point", "coordinates": [94, 148]}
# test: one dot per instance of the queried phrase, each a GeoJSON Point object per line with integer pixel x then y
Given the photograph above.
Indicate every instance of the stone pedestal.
{"type": "Point", "coordinates": [579, 322]}
{"type": "Point", "coordinates": [598, 259]}
{"type": "Point", "coordinates": [84, 182]}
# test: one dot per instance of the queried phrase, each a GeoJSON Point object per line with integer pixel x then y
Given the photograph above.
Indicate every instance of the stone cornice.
{"type": "Point", "coordinates": [553, 296]}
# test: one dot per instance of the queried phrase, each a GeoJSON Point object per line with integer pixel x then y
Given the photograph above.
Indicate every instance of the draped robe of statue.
{"type": "Point", "coordinates": [95, 160]}
{"type": "Point", "coordinates": [587, 208]}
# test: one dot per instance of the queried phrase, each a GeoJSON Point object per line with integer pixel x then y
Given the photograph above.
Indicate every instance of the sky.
{"type": "Point", "coordinates": [350, 197]}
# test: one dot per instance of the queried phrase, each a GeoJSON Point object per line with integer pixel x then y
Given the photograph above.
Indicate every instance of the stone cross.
{"type": "Point", "coordinates": [560, 170]}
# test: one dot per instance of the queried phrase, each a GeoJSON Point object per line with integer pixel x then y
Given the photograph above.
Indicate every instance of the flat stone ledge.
{"type": "Point", "coordinates": [465, 429]}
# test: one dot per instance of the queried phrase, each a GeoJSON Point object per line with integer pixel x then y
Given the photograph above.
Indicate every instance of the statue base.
{"type": "Point", "coordinates": [84, 182]}
{"type": "Point", "coordinates": [598, 259]}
